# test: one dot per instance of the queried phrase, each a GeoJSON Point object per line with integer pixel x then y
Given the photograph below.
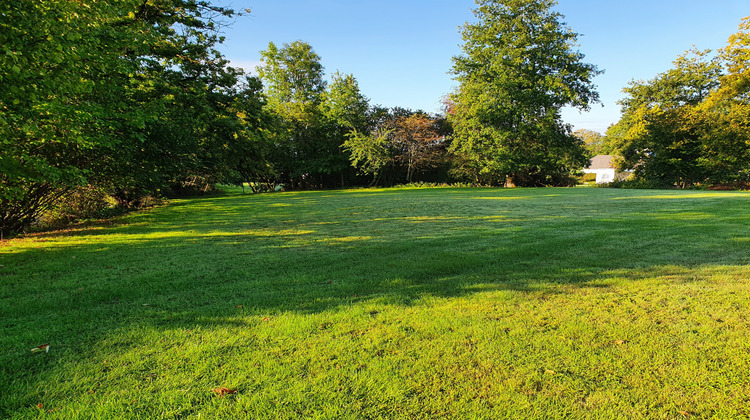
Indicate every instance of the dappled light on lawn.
{"type": "Point", "coordinates": [429, 300]}
{"type": "Point", "coordinates": [683, 195]}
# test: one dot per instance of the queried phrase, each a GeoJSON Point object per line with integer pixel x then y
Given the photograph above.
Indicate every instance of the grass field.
{"type": "Point", "coordinates": [394, 303]}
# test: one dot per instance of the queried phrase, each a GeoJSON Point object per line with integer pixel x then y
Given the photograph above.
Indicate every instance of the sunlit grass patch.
{"type": "Point", "coordinates": [680, 196]}
{"type": "Point", "coordinates": [400, 303]}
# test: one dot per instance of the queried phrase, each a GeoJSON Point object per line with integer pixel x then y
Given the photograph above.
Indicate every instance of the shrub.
{"type": "Point", "coordinates": [422, 184]}
{"type": "Point", "coordinates": [591, 177]}
{"type": "Point", "coordinates": [192, 186]}
{"type": "Point", "coordinates": [638, 184]}
{"type": "Point", "coordinates": [83, 202]}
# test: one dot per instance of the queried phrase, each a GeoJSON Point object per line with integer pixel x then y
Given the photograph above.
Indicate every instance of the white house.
{"type": "Point", "coordinates": [602, 166]}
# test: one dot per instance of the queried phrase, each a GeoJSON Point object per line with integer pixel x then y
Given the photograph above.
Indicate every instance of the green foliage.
{"type": "Point", "coordinates": [293, 78]}
{"type": "Point", "coordinates": [344, 104]}
{"type": "Point", "coordinates": [657, 133]}
{"type": "Point", "coordinates": [637, 183]}
{"type": "Point", "coordinates": [312, 122]}
{"type": "Point", "coordinates": [346, 111]}
{"type": "Point", "coordinates": [689, 126]}
{"type": "Point", "coordinates": [595, 142]}
{"type": "Point", "coordinates": [369, 153]}
{"type": "Point", "coordinates": [322, 128]}
{"type": "Point", "coordinates": [185, 89]}
{"type": "Point", "coordinates": [694, 77]}
{"type": "Point", "coordinates": [78, 204]}
{"type": "Point", "coordinates": [517, 72]}
{"type": "Point", "coordinates": [130, 96]}
{"type": "Point", "coordinates": [47, 116]}
{"type": "Point", "coordinates": [248, 149]}
{"type": "Point", "coordinates": [401, 145]}
{"type": "Point", "coordinates": [591, 177]}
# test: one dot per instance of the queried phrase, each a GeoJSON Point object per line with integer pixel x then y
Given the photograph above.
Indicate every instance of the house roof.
{"type": "Point", "coordinates": [601, 162]}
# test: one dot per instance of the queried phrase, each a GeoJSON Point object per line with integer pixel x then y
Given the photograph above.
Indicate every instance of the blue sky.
{"type": "Point", "coordinates": [400, 50]}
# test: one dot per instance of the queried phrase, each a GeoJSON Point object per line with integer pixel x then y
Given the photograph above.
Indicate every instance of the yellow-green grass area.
{"type": "Point", "coordinates": [387, 303]}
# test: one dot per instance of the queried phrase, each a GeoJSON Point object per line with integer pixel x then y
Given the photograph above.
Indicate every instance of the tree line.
{"type": "Point", "coordinates": [690, 125]}
{"type": "Point", "coordinates": [131, 99]}
{"type": "Point", "coordinates": [129, 96]}
{"type": "Point", "coordinates": [327, 135]}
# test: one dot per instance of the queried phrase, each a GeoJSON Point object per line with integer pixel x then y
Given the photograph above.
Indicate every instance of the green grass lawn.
{"type": "Point", "coordinates": [394, 303]}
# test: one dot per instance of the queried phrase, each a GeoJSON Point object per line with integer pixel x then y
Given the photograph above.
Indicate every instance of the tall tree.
{"type": "Point", "coordinates": [249, 149]}
{"type": "Point", "coordinates": [174, 96]}
{"type": "Point", "coordinates": [370, 153]}
{"type": "Point", "coordinates": [517, 71]}
{"type": "Point", "coordinates": [345, 104]}
{"type": "Point", "coordinates": [295, 88]}
{"type": "Point", "coordinates": [346, 111]}
{"type": "Point", "coordinates": [728, 111]}
{"type": "Point", "coordinates": [418, 143]}
{"type": "Point", "coordinates": [293, 77]}
{"type": "Point", "coordinates": [400, 144]}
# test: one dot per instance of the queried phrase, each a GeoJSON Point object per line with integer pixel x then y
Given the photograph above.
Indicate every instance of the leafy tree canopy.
{"type": "Point", "coordinates": [690, 125]}
{"type": "Point", "coordinates": [595, 142]}
{"type": "Point", "coordinates": [518, 70]}
{"type": "Point", "coordinates": [129, 95]}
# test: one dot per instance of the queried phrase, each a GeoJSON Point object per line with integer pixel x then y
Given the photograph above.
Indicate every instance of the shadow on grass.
{"type": "Point", "coordinates": [275, 253]}
{"type": "Point", "coordinates": [216, 260]}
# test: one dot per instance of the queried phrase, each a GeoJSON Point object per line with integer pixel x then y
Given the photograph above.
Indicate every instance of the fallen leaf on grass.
{"type": "Point", "coordinates": [620, 342]}
{"type": "Point", "coordinates": [224, 391]}
{"type": "Point", "coordinates": [238, 306]}
{"type": "Point", "coordinates": [42, 348]}
{"type": "Point", "coordinates": [684, 413]}
{"type": "Point", "coordinates": [40, 406]}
